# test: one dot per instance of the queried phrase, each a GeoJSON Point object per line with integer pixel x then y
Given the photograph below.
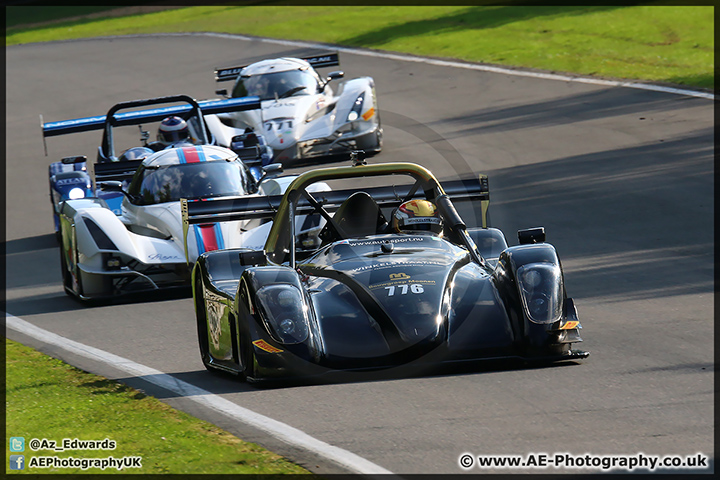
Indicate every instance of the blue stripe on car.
{"type": "Point", "coordinates": [219, 235]}
{"type": "Point", "coordinates": [199, 240]}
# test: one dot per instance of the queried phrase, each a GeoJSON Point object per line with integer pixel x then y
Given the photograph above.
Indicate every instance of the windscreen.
{"type": "Point", "coordinates": [280, 84]}
{"type": "Point", "coordinates": [170, 183]}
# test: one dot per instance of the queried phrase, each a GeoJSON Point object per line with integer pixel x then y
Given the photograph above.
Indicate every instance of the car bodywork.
{"type": "Point", "coordinates": [301, 116]}
{"type": "Point", "coordinates": [138, 243]}
{"type": "Point", "coordinates": [367, 298]}
{"type": "Point", "coordinates": [144, 248]}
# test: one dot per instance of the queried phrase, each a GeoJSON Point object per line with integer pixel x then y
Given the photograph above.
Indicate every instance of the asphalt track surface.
{"type": "Point", "coordinates": [622, 180]}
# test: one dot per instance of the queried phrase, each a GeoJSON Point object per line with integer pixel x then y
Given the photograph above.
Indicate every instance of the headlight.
{"type": "Point", "coordinates": [356, 108]}
{"type": "Point", "coordinates": [76, 193]}
{"type": "Point", "coordinates": [540, 286]}
{"type": "Point", "coordinates": [284, 313]}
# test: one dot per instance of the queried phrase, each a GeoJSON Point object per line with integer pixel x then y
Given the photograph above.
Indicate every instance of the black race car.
{"type": "Point", "coordinates": [366, 290]}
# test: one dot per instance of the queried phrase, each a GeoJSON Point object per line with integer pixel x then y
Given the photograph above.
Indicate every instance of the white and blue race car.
{"type": "Point", "coordinates": [301, 117]}
{"type": "Point", "coordinates": [140, 244]}
{"type": "Point", "coordinates": [118, 155]}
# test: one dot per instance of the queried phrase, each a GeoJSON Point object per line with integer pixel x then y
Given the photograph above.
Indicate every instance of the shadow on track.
{"type": "Point", "coordinates": [220, 383]}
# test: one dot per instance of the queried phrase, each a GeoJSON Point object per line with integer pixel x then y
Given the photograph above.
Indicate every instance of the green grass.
{"type": "Point", "coordinates": [33, 15]}
{"type": "Point", "coordinates": [46, 398]}
{"type": "Point", "coordinates": [665, 44]}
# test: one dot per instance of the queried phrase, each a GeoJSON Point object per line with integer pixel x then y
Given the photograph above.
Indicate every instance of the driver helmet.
{"type": "Point", "coordinates": [259, 85]}
{"type": "Point", "coordinates": [173, 130]}
{"type": "Point", "coordinates": [417, 216]}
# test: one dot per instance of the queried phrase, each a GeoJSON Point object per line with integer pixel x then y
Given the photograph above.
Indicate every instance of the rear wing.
{"type": "Point", "coordinates": [64, 127]}
{"type": "Point", "coordinates": [228, 209]}
{"type": "Point", "coordinates": [316, 61]}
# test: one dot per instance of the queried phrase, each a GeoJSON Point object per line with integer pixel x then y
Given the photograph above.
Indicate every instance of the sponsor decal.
{"type": "Point", "coordinates": [360, 243]}
{"type": "Point", "coordinates": [399, 276]}
{"type": "Point", "coordinates": [318, 61]}
{"type": "Point", "coordinates": [163, 258]}
{"type": "Point", "coordinates": [229, 71]}
{"type": "Point", "coordinates": [403, 284]}
{"type": "Point", "coordinates": [395, 265]}
{"type": "Point", "coordinates": [399, 280]}
{"type": "Point", "coordinates": [569, 325]}
{"type": "Point", "coordinates": [423, 220]}
{"type": "Point", "coordinates": [70, 181]}
{"type": "Point", "coordinates": [280, 104]}
{"type": "Point", "coordinates": [263, 345]}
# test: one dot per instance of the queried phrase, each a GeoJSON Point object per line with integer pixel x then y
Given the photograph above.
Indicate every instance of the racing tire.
{"type": "Point", "coordinates": [372, 148]}
{"type": "Point", "coordinates": [58, 233]}
{"type": "Point", "coordinates": [201, 320]}
{"type": "Point", "coordinates": [66, 280]}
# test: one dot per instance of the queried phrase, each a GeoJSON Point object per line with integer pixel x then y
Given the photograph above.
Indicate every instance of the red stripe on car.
{"type": "Point", "coordinates": [209, 238]}
{"type": "Point", "coordinates": [190, 154]}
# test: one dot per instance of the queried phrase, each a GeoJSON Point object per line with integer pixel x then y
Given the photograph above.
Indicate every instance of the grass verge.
{"type": "Point", "coordinates": [665, 44]}
{"type": "Point", "coordinates": [46, 398]}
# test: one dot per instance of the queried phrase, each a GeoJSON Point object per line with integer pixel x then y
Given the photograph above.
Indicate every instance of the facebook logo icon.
{"type": "Point", "coordinates": [17, 462]}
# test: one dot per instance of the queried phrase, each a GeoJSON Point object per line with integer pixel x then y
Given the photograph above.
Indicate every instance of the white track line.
{"type": "Point", "coordinates": [279, 430]}
{"type": "Point", "coordinates": [464, 65]}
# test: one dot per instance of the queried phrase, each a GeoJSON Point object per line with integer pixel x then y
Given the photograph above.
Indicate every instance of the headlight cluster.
{"type": "Point", "coordinates": [356, 108]}
{"type": "Point", "coordinates": [541, 291]}
{"type": "Point", "coordinates": [284, 312]}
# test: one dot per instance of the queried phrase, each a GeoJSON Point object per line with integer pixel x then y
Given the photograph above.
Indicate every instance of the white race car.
{"type": "Point", "coordinates": [145, 247]}
{"type": "Point", "coordinates": [125, 233]}
{"type": "Point", "coordinates": [301, 116]}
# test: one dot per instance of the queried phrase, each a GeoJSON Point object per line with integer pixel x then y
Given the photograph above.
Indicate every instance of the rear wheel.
{"type": "Point", "coordinates": [58, 234]}
{"type": "Point", "coordinates": [72, 286]}
{"type": "Point", "coordinates": [66, 278]}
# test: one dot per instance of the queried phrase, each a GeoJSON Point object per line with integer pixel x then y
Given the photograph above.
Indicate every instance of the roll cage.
{"type": "Point", "coordinates": [192, 115]}
{"type": "Point", "coordinates": [188, 108]}
{"type": "Point", "coordinates": [280, 246]}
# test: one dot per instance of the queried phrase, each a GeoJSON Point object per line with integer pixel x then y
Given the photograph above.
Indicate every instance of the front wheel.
{"type": "Point", "coordinates": [201, 320]}
{"type": "Point", "coordinates": [248, 358]}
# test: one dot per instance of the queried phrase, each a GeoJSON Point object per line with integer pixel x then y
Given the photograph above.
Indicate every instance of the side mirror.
{"type": "Point", "coordinates": [335, 75]}
{"type": "Point", "coordinates": [270, 171]}
{"type": "Point", "coordinates": [110, 186]}
{"type": "Point", "coordinates": [144, 136]}
{"type": "Point", "coordinates": [222, 92]}
{"type": "Point", "coordinates": [249, 139]}
{"type": "Point", "coordinates": [531, 235]}
{"type": "Point", "coordinates": [74, 159]}
{"type": "Point", "coordinates": [247, 147]}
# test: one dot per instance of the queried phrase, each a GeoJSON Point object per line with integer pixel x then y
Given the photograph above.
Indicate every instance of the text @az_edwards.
{"type": "Point", "coordinates": [38, 444]}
